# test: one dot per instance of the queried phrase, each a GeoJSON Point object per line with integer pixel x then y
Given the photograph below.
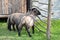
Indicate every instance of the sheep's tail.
{"type": "Point", "coordinates": [8, 23]}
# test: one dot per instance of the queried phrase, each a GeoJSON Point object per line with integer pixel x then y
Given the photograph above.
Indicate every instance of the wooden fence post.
{"type": "Point", "coordinates": [49, 20]}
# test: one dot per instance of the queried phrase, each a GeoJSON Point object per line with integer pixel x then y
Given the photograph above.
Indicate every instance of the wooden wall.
{"type": "Point", "coordinates": [12, 6]}
{"type": "Point", "coordinates": [0, 6]}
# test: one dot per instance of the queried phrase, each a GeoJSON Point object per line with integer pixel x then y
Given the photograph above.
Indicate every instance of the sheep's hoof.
{"type": "Point", "coordinates": [14, 30]}
{"type": "Point", "coordinates": [10, 30]}
{"type": "Point", "coordinates": [19, 35]}
{"type": "Point", "coordinates": [32, 32]}
{"type": "Point", "coordinates": [30, 36]}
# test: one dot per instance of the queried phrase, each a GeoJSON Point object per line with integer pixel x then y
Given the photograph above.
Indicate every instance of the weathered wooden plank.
{"type": "Point", "coordinates": [4, 16]}
{"type": "Point", "coordinates": [3, 7]}
{"type": "Point", "coordinates": [18, 6]}
{"type": "Point", "coordinates": [13, 6]}
{"type": "Point", "coordinates": [0, 6]}
{"type": "Point", "coordinates": [6, 6]}
{"type": "Point", "coordinates": [23, 6]}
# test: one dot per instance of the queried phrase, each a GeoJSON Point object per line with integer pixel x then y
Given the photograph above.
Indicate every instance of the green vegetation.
{"type": "Point", "coordinates": [5, 34]}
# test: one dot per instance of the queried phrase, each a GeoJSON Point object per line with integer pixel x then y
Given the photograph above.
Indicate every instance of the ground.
{"type": "Point", "coordinates": [5, 34]}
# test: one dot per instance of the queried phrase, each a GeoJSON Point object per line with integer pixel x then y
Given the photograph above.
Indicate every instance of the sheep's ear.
{"type": "Point", "coordinates": [33, 9]}
{"type": "Point", "coordinates": [39, 13]}
{"type": "Point", "coordinates": [36, 11]}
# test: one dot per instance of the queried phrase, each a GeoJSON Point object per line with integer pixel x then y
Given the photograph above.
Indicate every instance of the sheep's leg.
{"type": "Point", "coordinates": [28, 31]}
{"type": "Point", "coordinates": [14, 28]}
{"type": "Point", "coordinates": [33, 29]}
{"type": "Point", "coordinates": [18, 32]}
{"type": "Point", "coordinates": [19, 29]}
{"type": "Point", "coordinates": [9, 26]}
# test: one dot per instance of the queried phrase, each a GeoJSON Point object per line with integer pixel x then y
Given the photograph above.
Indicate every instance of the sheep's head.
{"type": "Point", "coordinates": [36, 12]}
